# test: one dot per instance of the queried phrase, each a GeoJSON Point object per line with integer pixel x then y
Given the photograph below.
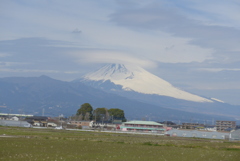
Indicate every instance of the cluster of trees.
{"type": "Point", "coordinates": [86, 112]}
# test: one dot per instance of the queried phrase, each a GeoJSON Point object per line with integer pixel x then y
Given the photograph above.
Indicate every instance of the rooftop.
{"type": "Point", "coordinates": [143, 122]}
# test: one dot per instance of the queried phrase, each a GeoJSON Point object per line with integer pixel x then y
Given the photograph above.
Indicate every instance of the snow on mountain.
{"type": "Point", "coordinates": [137, 79]}
{"type": "Point", "coordinates": [215, 99]}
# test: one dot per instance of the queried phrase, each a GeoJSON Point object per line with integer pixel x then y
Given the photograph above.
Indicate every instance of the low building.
{"type": "Point", "coordinates": [5, 117]}
{"type": "Point", "coordinates": [51, 124]}
{"type": "Point", "coordinates": [37, 120]}
{"type": "Point", "coordinates": [108, 125]}
{"type": "Point", "coordinates": [15, 118]}
{"type": "Point", "coordinates": [169, 125]}
{"type": "Point", "coordinates": [191, 126]}
{"type": "Point", "coordinates": [18, 115]}
{"type": "Point", "coordinates": [210, 128]}
{"type": "Point", "coordinates": [8, 117]}
{"type": "Point", "coordinates": [83, 124]}
{"type": "Point", "coordinates": [224, 125]}
{"type": "Point", "coordinates": [142, 126]}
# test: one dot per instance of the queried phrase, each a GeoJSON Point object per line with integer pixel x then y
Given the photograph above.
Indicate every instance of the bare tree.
{"type": "Point", "coordinates": [80, 117]}
{"type": "Point", "coordinates": [87, 116]}
{"type": "Point", "coordinates": [106, 115]}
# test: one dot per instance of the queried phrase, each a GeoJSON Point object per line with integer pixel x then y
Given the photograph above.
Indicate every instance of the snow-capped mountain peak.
{"type": "Point", "coordinates": [139, 80]}
{"type": "Point", "coordinates": [112, 71]}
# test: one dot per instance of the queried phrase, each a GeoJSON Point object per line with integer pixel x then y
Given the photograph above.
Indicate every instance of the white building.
{"type": "Point", "coordinates": [15, 118]}
{"type": "Point", "coordinates": [143, 126]}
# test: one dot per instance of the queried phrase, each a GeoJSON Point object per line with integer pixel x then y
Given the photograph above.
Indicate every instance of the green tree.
{"type": "Point", "coordinates": [116, 113]}
{"type": "Point", "coordinates": [84, 109]}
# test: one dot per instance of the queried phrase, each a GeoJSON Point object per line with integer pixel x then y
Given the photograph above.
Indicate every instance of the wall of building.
{"type": "Point", "coordinates": [222, 125]}
{"type": "Point", "coordinates": [198, 134]}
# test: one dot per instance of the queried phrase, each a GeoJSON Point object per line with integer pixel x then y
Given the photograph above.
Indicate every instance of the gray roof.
{"type": "Point", "coordinates": [143, 122]}
{"type": "Point", "coordinates": [15, 123]}
{"type": "Point", "coordinates": [235, 135]}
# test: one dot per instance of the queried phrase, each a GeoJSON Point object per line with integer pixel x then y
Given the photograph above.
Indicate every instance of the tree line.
{"type": "Point", "coordinates": [86, 112]}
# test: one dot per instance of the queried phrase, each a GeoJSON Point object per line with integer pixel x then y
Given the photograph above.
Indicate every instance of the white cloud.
{"type": "Point", "coordinates": [110, 56]}
{"type": "Point", "coordinates": [10, 64]}
{"type": "Point", "coordinates": [157, 30]}
{"type": "Point", "coordinates": [221, 39]}
{"type": "Point", "coordinates": [97, 32]}
{"type": "Point", "coordinates": [27, 70]}
{"type": "Point", "coordinates": [218, 69]}
{"type": "Point", "coordinates": [36, 71]}
{"type": "Point", "coordinates": [215, 12]}
{"type": "Point", "coordinates": [4, 55]}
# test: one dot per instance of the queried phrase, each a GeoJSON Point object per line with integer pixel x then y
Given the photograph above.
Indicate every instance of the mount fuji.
{"type": "Point", "coordinates": [136, 83]}
{"type": "Point", "coordinates": [134, 78]}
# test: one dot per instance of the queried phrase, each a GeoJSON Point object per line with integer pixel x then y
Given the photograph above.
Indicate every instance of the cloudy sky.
{"type": "Point", "coordinates": [195, 45]}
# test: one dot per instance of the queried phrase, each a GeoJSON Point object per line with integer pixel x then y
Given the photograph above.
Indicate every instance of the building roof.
{"type": "Point", "coordinates": [142, 128]}
{"type": "Point", "coordinates": [39, 118]}
{"type": "Point", "coordinates": [235, 135]}
{"type": "Point", "coordinates": [14, 123]}
{"type": "Point", "coordinates": [79, 121]}
{"type": "Point", "coordinates": [143, 122]}
{"type": "Point", "coordinates": [22, 115]}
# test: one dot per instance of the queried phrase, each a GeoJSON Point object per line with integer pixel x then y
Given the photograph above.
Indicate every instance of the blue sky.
{"type": "Point", "coordinates": [192, 44]}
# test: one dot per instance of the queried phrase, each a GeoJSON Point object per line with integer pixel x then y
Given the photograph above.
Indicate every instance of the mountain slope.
{"type": "Point", "coordinates": [133, 78]}
{"type": "Point", "coordinates": [33, 94]}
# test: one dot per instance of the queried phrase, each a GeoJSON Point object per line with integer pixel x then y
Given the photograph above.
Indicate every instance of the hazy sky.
{"type": "Point", "coordinates": [195, 45]}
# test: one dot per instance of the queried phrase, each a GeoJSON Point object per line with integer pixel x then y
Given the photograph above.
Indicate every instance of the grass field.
{"type": "Point", "coordinates": [48, 144]}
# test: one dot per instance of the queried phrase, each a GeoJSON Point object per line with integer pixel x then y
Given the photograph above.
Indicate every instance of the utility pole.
{"type": "Point", "coordinates": [20, 110]}
{"type": "Point", "coordinates": [95, 117]}
{"type": "Point", "coordinates": [8, 115]}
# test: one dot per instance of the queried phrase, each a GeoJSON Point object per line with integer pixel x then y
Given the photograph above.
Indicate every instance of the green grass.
{"type": "Point", "coordinates": [47, 144]}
